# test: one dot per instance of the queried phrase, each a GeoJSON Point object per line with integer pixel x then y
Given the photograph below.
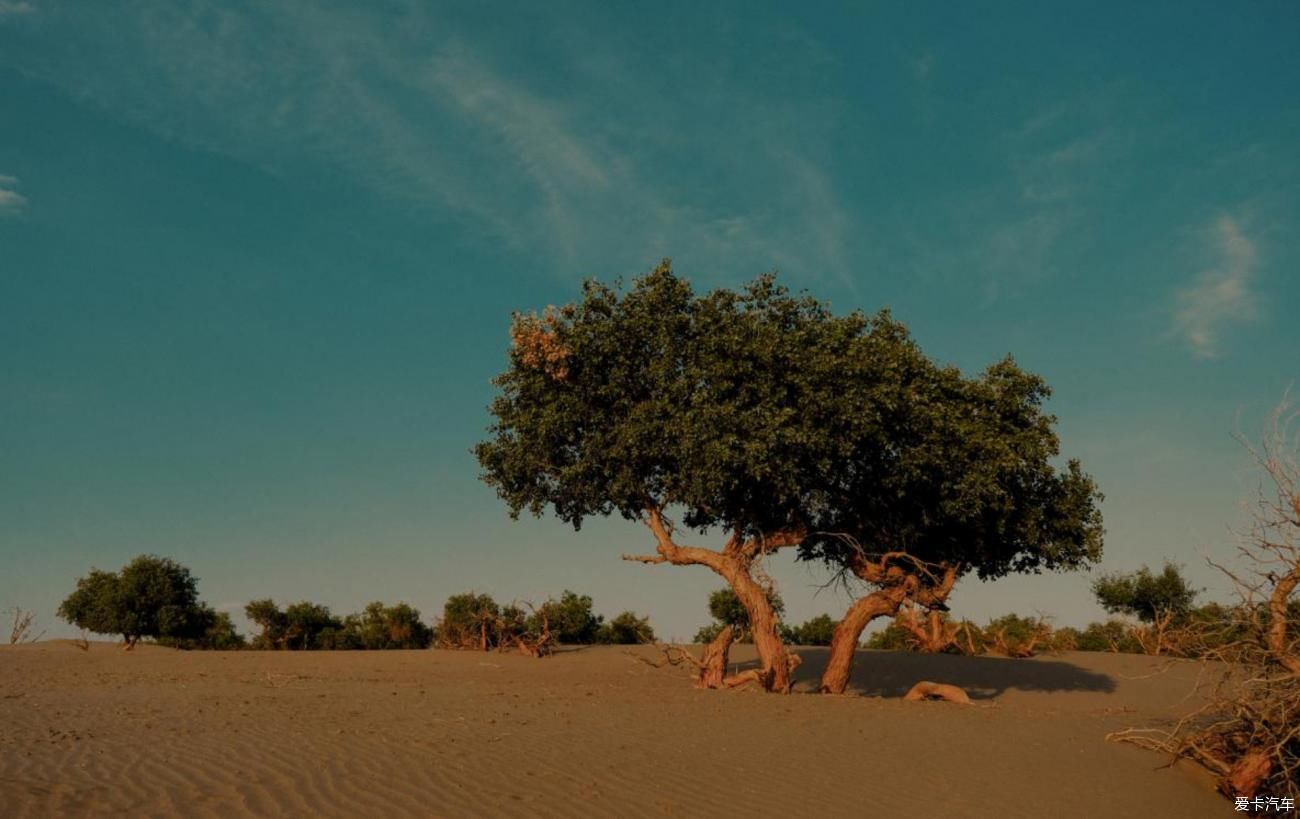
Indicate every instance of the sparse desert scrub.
{"type": "Point", "coordinates": [22, 628]}
{"type": "Point", "coordinates": [470, 620]}
{"type": "Point", "coordinates": [1160, 602]}
{"type": "Point", "coordinates": [626, 628]}
{"type": "Point", "coordinates": [818, 631]}
{"type": "Point", "coordinates": [1249, 730]}
{"type": "Point", "coordinates": [218, 634]}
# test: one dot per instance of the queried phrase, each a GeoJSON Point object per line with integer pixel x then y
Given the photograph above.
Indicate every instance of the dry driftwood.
{"type": "Point", "coordinates": [926, 690]}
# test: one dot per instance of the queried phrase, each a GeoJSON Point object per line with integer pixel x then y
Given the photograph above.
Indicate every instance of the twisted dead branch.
{"type": "Point", "coordinates": [1248, 732]}
{"type": "Point", "coordinates": [24, 623]}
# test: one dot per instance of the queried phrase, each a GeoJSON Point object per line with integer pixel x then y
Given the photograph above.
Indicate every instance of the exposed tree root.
{"type": "Point", "coordinates": [925, 690]}
{"type": "Point", "coordinates": [711, 666]}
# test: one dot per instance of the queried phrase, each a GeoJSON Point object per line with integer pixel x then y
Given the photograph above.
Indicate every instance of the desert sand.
{"type": "Point", "coordinates": [590, 732]}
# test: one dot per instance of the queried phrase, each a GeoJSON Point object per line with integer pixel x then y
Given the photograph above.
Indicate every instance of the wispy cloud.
{"type": "Point", "coordinates": [15, 8]}
{"type": "Point", "coordinates": [11, 201]}
{"type": "Point", "coordinates": [1221, 295]}
{"type": "Point", "coordinates": [632, 157]}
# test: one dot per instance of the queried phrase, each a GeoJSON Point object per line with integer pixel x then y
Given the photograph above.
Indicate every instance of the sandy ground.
{"type": "Point", "coordinates": [589, 732]}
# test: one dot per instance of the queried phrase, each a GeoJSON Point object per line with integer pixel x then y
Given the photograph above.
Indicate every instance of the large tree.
{"type": "Point", "coordinates": [150, 597]}
{"type": "Point", "coordinates": [959, 479]}
{"type": "Point", "coordinates": [762, 415]}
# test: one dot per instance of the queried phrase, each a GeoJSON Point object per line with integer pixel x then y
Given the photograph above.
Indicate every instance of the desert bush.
{"type": "Point", "coordinates": [267, 615]}
{"type": "Point", "coordinates": [727, 610]}
{"type": "Point", "coordinates": [1015, 635]}
{"type": "Point", "coordinates": [626, 629]}
{"type": "Point", "coordinates": [470, 620]}
{"type": "Point", "coordinates": [310, 626]}
{"type": "Point", "coordinates": [943, 635]}
{"type": "Point", "coordinates": [150, 597]}
{"type": "Point", "coordinates": [301, 626]}
{"type": "Point", "coordinates": [22, 628]}
{"type": "Point", "coordinates": [389, 627]}
{"type": "Point", "coordinates": [1064, 639]}
{"type": "Point", "coordinates": [1146, 595]}
{"type": "Point", "coordinates": [571, 619]}
{"type": "Point", "coordinates": [219, 634]}
{"type": "Point", "coordinates": [892, 637]}
{"type": "Point", "coordinates": [815, 632]}
{"type": "Point", "coordinates": [1161, 603]}
{"type": "Point", "coordinates": [1112, 635]}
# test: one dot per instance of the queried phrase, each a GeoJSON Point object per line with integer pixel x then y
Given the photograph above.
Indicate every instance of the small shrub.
{"type": "Point", "coordinates": [626, 629]}
{"type": "Point", "coordinates": [470, 620]}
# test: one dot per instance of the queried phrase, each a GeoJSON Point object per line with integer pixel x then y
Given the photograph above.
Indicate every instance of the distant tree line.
{"type": "Point", "coordinates": [155, 598]}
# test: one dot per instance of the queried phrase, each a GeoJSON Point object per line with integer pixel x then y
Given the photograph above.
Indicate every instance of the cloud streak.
{"type": "Point", "coordinates": [630, 166]}
{"type": "Point", "coordinates": [11, 201]}
{"type": "Point", "coordinates": [15, 8]}
{"type": "Point", "coordinates": [1221, 295]}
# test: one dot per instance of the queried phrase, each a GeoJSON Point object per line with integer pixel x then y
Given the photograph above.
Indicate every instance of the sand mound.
{"type": "Point", "coordinates": [158, 732]}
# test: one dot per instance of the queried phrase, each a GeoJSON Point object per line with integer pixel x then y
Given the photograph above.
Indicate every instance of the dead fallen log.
{"type": "Point", "coordinates": [929, 690]}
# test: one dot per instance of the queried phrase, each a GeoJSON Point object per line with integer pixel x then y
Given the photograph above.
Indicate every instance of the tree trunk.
{"type": "Point", "coordinates": [772, 656]}
{"type": "Point", "coordinates": [713, 665]}
{"type": "Point", "coordinates": [844, 642]}
{"type": "Point", "coordinates": [734, 564]}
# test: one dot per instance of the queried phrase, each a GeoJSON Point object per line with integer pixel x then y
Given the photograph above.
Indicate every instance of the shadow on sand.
{"type": "Point", "coordinates": [891, 673]}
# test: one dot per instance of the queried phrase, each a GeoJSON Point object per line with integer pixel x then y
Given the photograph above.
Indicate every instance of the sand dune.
{"type": "Point", "coordinates": [589, 732]}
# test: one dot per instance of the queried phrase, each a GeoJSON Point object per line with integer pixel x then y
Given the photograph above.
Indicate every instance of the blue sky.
{"type": "Point", "coordinates": [257, 261]}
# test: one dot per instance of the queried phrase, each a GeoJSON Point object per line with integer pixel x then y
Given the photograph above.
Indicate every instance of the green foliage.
{"type": "Point", "coordinates": [815, 632]}
{"type": "Point", "coordinates": [94, 605]}
{"type": "Point", "coordinates": [218, 634]}
{"type": "Point", "coordinates": [626, 629]}
{"type": "Point", "coordinates": [150, 597]}
{"type": "Point", "coordinates": [390, 627]}
{"type": "Point", "coordinates": [761, 411]}
{"type": "Point", "coordinates": [466, 617]}
{"type": "Point", "coordinates": [302, 626]}
{"type": "Point", "coordinates": [1015, 628]}
{"type": "Point", "coordinates": [1146, 595]}
{"type": "Point", "coordinates": [267, 615]}
{"type": "Point", "coordinates": [310, 626]}
{"type": "Point", "coordinates": [727, 610]}
{"type": "Point", "coordinates": [307, 626]}
{"type": "Point", "coordinates": [715, 404]}
{"type": "Point", "coordinates": [1112, 635]}
{"type": "Point", "coordinates": [570, 618]}
{"type": "Point", "coordinates": [959, 471]}
{"type": "Point", "coordinates": [892, 637]}
{"type": "Point", "coordinates": [1065, 639]}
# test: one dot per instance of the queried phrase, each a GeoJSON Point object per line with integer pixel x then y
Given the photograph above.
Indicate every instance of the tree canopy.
{"type": "Point", "coordinates": [570, 618]}
{"type": "Point", "coordinates": [626, 629]}
{"type": "Point", "coordinates": [1146, 595]}
{"type": "Point", "coordinates": [149, 597]}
